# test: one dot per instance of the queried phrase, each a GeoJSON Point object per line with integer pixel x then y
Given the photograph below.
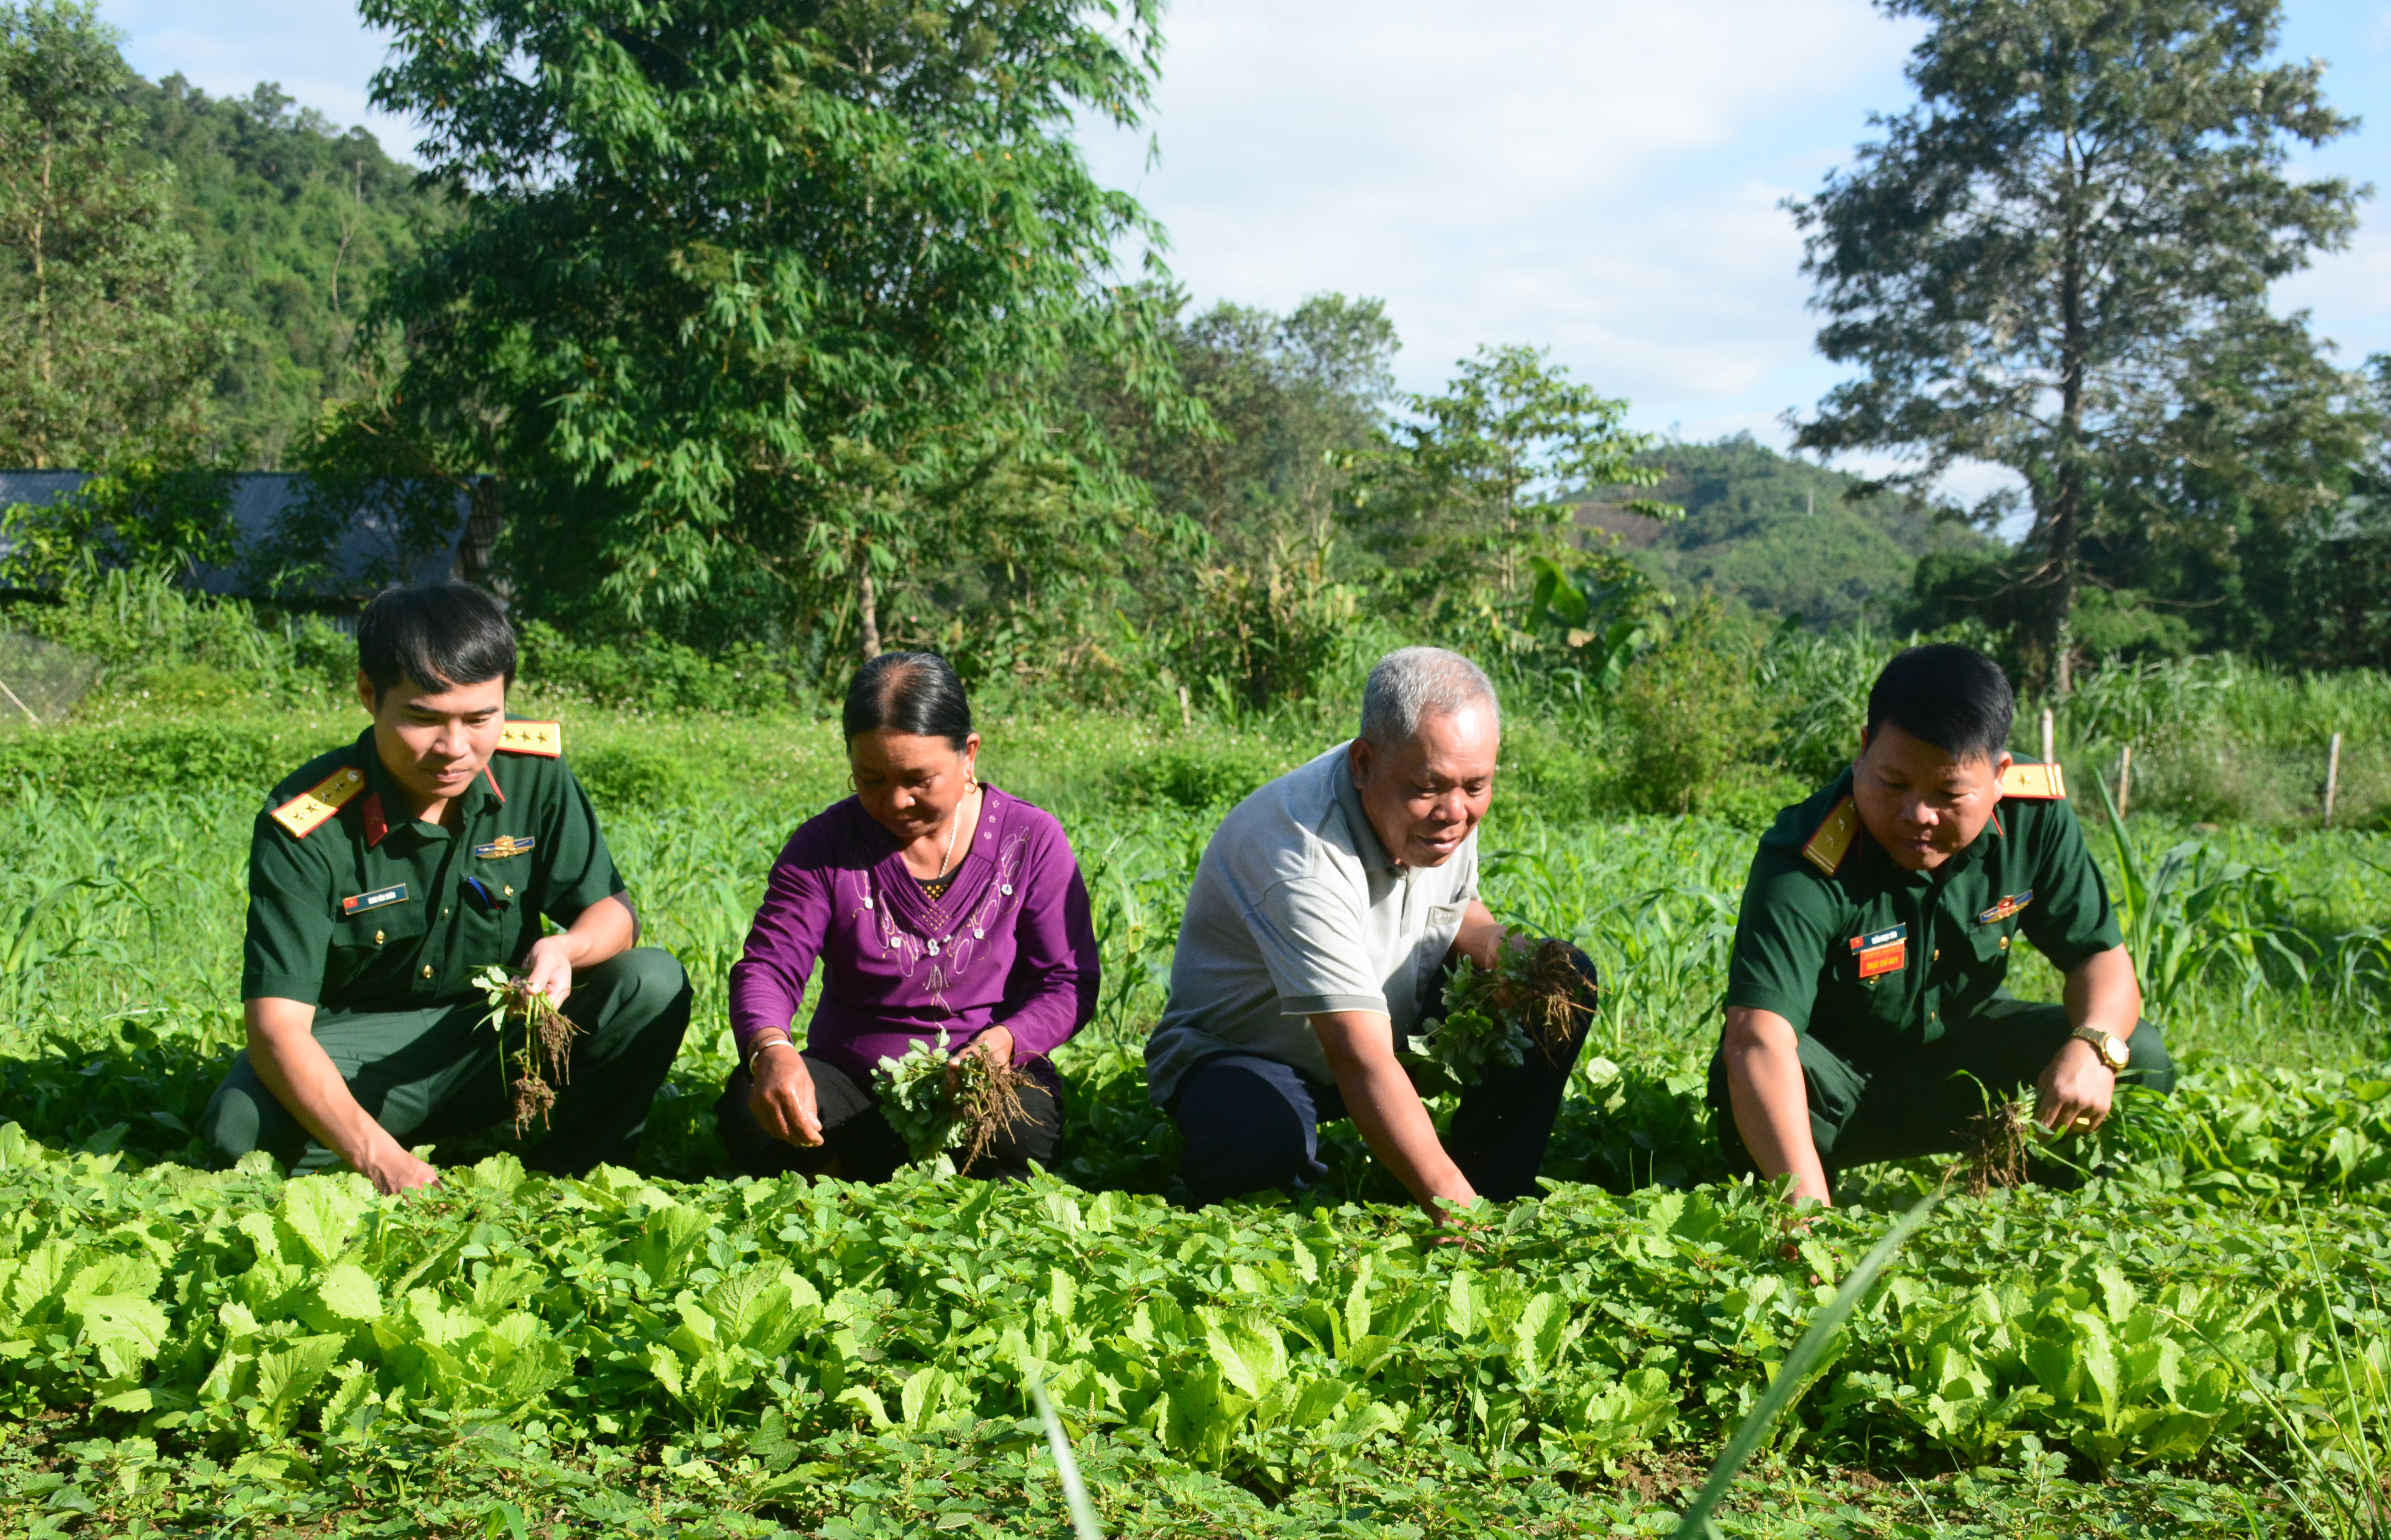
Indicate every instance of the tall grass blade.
{"type": "Point", "coordinates": [1695, 1522]}
{"type": "Point", "coordinates": [1075, 1492]}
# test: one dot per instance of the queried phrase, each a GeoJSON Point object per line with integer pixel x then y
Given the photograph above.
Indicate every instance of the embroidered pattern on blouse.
{"type": "Point", "coordinates": [948, 956]}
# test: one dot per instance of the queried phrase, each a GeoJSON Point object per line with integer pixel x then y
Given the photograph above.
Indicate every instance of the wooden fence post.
{"type": "Point", "coordinates": [2332, 775]}
{"type": "Point", "coordinates": [2125, 777]}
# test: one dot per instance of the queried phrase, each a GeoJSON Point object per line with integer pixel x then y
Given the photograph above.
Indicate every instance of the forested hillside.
{"type": "Point", "coordinates": [293, 219]}
{"type": "Point", "coordinates": [1783, 535]}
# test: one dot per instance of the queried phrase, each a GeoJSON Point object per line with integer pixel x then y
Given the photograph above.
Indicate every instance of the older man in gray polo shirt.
{"type": "Point", "coordinates": [1324, 916]}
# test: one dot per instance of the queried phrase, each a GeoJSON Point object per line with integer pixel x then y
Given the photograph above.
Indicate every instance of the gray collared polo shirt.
{"type": "Point", "coordinates": [1298, 910]}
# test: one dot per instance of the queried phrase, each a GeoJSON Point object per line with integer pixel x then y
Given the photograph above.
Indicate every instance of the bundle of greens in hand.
{"type": "Point", "coordinates": [936, 1102]}
{"type": "Point", "coordinates": [547, 1038]}
{"type": "Point", "coordinates": [1533, 997]}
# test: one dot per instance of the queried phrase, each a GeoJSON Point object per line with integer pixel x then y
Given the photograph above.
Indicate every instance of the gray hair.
{"type": "Point", "coordinates": [1412, 682]}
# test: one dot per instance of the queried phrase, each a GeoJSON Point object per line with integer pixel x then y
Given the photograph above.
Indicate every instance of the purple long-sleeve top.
{"type": "Point", "coordinates": [1011, 942]}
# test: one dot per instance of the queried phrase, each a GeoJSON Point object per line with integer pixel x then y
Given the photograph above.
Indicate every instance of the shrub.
{"type": "Point", "coordinates": [647, 674]}
{"type": "Point", "coordinates": [1689, 711]}
{"type": "Point", "coordinates": [1254, 638]}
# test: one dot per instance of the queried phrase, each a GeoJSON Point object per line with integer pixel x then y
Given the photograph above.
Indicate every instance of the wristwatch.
{"type": "Point", "coordinates": [2109, 1045]}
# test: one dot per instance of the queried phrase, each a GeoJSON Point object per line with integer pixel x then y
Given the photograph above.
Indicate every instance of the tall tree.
{"type": "Point", "coordinates": [105, 347]}
{"type": "Point", "coordinates": [744, 290]}
{"type": "Point", "coordinates": [2027, 266]}
{"type": "Point", "coordinates": [1483, 479]}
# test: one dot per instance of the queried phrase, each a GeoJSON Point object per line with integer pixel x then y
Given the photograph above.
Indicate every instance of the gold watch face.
{"type": "Point", "coordinates": [2113, 1051]}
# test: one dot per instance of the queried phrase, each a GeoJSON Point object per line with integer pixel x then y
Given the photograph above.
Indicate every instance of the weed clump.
{"type": "Point", "coordinates": [545, 1050]}
{"type": "Point", "coordinates": [1999, 1139]}
{"type": "Point", "coordinates": [1533, 997]}
{"type": "Point", "coordinates": [938, 1103]}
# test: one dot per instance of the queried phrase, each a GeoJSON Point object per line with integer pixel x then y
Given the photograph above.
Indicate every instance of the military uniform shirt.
{"type": "Point", "coordinates": [372, 910]}
{"type": "Point", "coordinates": [1871, 959]}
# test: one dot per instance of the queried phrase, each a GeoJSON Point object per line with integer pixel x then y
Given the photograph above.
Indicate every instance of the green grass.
{"type": "Point", "coordinates": [2022, 1370]}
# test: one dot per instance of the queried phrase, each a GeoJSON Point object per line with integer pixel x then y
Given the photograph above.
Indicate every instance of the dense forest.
{"type": "Point", "coordinates": [933, 411]}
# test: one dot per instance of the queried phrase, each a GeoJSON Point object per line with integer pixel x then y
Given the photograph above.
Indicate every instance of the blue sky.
{"type": "Point", "coordinates": [1600, 177]}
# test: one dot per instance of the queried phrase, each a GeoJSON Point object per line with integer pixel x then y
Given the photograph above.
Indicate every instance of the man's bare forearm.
{"type": "Point", "coordinates": [1387, 1109]}
{"type": "Point", "coordinates": [2103, 991]}
{"type": "Point", "coordinates": [1770, 1101]}
{"type": "Point", "coordinates": [293, 1065]}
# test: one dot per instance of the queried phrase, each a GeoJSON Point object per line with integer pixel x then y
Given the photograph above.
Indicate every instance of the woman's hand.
{"type": "Point", "coordinates": [995, 1043]}
{"type": "Point", "coordinates": [783, 1099]}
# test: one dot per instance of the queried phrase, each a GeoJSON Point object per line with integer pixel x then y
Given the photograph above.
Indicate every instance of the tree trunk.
{"type": "Point", "coordinates": [2065, 528]}
{"type": "Point", "coordinates": [867, 606]}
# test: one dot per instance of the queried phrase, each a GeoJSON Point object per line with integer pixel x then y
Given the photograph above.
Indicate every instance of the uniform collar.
{"type": "Point", "coordinates": [384, 805]}
{"type": "Point", "coordinates": [1967, 855]}
{"type": "Point", "coordinates": [1367, 843]}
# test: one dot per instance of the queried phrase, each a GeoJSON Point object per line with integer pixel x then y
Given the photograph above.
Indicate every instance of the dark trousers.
{"type": "Point", "coordinates": [1252, 1123]}
{"type": "Point", "coordinates": [858, 1146]}
{"type": "Point", "coordinates": [1896, 1108]}
{"type": "Point", "coordinates": [435, 1073]}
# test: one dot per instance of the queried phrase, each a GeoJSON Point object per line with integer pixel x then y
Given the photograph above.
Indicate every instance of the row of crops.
{"type": "Point", "coordinates": [764, 1331]}
{"type": "Point", "coordinates": [667, 1349]}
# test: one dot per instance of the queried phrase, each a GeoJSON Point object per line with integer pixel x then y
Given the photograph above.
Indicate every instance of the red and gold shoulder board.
{"type": "Point", "coordinates": [2039, 782]}
{"type": "Point", "coordinates": [1832, 841]}
{"type": "Point", "coordinates": [545, 739]}
{"type": "Point", "coordinates": [306, 812]}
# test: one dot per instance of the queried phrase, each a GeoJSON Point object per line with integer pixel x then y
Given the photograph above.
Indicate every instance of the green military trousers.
{"type": "Point", "coordinates": [1919, 1102]}
{"type": "Point", "coordinates": [428, 1074]}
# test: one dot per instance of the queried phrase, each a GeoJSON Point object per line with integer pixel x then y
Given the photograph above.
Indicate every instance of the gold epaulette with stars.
{"type": "Point", "coordinates": [545, 739]}
{"type": "Point", "coordinates": [1832, 841]}
{"type": "Point", "coordinates": [2038, 782]}
{"type": "Point", "coordinates": [306, 812]}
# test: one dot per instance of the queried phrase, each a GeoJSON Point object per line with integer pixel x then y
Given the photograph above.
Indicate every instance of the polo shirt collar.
{"type": "Point", "coordinates": [1366, 844]}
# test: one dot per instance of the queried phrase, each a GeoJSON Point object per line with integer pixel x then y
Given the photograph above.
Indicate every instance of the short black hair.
{"type": "Point", "coordinates": [910, 693]}
{"type": "Point", "coordinates": [439, 635]}
{"type": "Point", "coordinates": [1948, 695]}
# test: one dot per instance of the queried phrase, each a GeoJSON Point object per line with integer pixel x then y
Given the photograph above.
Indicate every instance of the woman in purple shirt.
{"type": "Point", "coordinates": [931, 901]}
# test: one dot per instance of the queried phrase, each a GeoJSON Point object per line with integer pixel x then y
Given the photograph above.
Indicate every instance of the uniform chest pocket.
{"type": "Point", "coordinates": [1992, 943]}
{"type": "Point", "coordinates": [383, 928]}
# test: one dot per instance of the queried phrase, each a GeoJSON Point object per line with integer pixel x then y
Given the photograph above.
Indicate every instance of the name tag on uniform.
{"type": "Point", "coordinates": [505, 846]}
{"type": "Point", "coordinates": [380, 897]}
{"type": "Point", "coordinates": [2005, 908]}
{"type": "Point", "coordinates": [1883, 951]}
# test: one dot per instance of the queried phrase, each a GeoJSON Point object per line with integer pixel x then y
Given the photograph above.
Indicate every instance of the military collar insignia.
{"type": "Point", "coordinates": [380, 897]}
{"type": "Point", "coordinates": [377, 822]}
{"type": "Point", "coordinates": [2010, 904]}
{"type": "Point", "coordinates": [1832, 840]}
{"type": "Point", "coordinates": [303, 814]}
{"type": "Point", "coordinates": [505, 846]}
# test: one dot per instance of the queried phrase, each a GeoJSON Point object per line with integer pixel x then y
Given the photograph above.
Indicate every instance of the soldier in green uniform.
{"type": "Point", "coordinates": [383, 876]}
{"type": "Point", "coordinates": [1865, 1018]}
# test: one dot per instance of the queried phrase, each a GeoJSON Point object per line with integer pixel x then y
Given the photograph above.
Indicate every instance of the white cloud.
{"type": "Point", "coordinates": [1604, 178]}
{"type": "Point", "coordinates": [320, 54]}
